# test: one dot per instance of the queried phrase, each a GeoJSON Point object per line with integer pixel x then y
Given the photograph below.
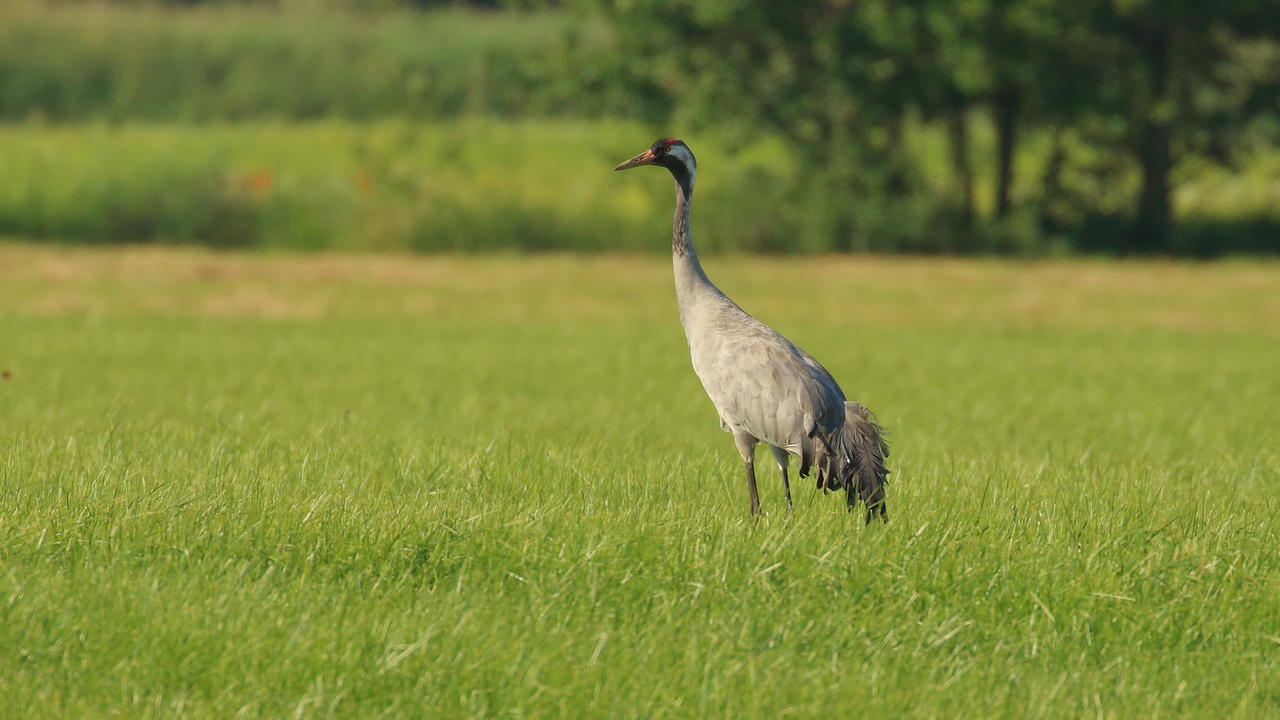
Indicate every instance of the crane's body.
{"type": "Point", "coordinates": [761, 384]}
{"type": "Point", "coordinates": [764, 388]}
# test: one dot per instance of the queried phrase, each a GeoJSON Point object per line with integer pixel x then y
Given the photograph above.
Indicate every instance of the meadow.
{"type": "Point", "coordinates": [130, 61]}
{"type": "Point", "coordinates": [483, 184]}
{"type": "Point", "coordinates": [331, 485]}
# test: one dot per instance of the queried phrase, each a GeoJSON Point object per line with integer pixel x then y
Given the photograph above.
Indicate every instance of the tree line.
{"type": "Point", "coordinates": [910, 126]}
{"type": "Point", "coordinates": [1143, 83]}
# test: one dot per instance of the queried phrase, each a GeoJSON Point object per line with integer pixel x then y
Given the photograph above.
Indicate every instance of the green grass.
{"type": "Point", "coordinates": [466, 185]}
{"type": "Point", "coordinates": [478, 185]}
{"type": "Point", "coordinates": [491, 487]}
{"type": "Point", "coordinates": [112, 61]}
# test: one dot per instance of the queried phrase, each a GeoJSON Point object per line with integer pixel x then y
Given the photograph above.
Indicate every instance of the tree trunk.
{"type": "Point", "coordinates": [958, 131]}
{"type": "Point", "coordinates": [1052, 184]}
{"type": "Point", "coordinates": [1006, 119]}
{"type": "Point", "coordinates": [1155, 152]}
{"type": "Point", "coordinates": [896, 184]}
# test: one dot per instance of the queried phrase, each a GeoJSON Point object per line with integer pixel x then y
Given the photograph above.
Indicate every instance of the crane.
{"type": "Point", "coordinates": [764, 388]}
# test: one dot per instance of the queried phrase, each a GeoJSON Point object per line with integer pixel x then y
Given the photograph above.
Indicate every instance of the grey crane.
{"type": "Point", "coordinates": [764, 387]}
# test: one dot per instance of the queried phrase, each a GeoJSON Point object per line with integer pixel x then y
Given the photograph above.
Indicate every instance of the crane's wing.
{"type": "Point", "coordinates": [761, 382]}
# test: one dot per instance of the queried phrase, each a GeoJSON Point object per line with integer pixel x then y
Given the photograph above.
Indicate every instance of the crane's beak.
{"type": "Point", "coordinates": [644, 158]}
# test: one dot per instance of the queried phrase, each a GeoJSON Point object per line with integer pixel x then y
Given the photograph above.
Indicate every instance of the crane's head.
{"type": "Point", "coordinates": [671, 154]}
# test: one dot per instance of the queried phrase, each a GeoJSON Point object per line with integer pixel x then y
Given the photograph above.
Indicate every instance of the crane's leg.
{"type": "Point", "coordinates": [783, 461]}
{"type": "Point", "coordinates": [747, 449]}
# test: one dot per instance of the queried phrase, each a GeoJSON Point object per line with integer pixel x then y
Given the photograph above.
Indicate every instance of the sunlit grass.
{"type": "Point", "coordinates": [492, 487]}
{"type": "Point", "coordinates": [466, 185]}
{"type": "Point", "coordinates": [481, 185]}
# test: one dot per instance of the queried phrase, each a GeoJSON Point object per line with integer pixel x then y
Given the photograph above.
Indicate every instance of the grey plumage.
{"type": "Point", "coordinates": [764, 388]}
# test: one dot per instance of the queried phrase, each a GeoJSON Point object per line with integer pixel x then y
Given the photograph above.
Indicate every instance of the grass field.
{"type": "Point", "coordinates": [208, 61]}
{"type": "Point", "coordinates": [481, 185]}
{"type": "Point", "coordinates": [470, 185]}
{"type": "Point", "coordinates": [326, 485]}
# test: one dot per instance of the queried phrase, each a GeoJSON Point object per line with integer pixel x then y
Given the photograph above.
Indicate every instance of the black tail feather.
{"type": "Point", "coordinates": [866, 450]}
{"type": "Point", "coordinates": [852, 458]}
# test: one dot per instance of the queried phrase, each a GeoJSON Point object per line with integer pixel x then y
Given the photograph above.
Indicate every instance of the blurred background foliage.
{"type": "Point", "coordinates": [1012, 126]}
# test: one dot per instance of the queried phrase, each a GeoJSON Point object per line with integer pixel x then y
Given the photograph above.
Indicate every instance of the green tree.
{"type": "Point", "coordinates": [1152, 78]}
{"type": "Point", "coordinates": [1161, 65]}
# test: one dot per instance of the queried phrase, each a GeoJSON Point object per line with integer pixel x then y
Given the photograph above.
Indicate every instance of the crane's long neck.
{"type": "Point", "coordinates": [692, 284]}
